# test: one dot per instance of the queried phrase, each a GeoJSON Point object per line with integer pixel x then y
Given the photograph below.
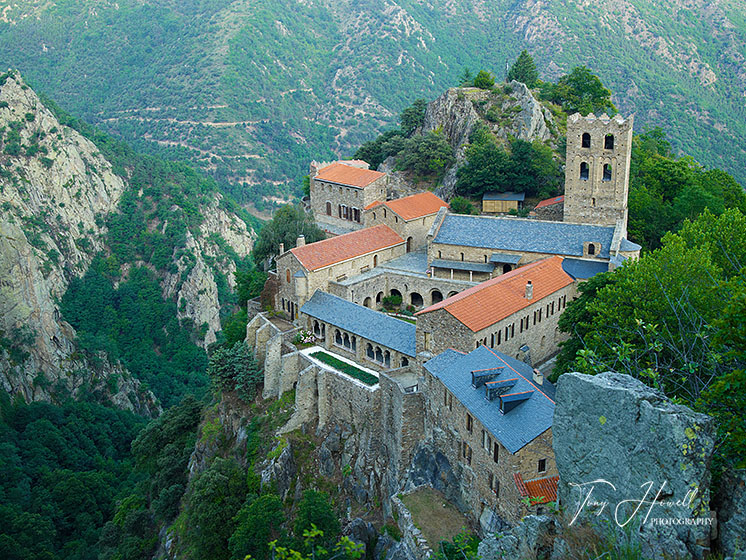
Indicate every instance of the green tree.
{"type": "Point", "coordinates": [580, 91]}
{"type": "Point", "coordinates": [213, 500]}
{"type": "Point", "coordinates": [466, 79]}
{"type": "Point", "coordinates": [413, 117]}
{"type": "Point", "coordinates": [427, 155]}
{"type": "Point", "coordinates": [484, 80]}
{"type": "Point", "coordinates": [235, 369]}
{"type": "Point", "coordinates": [315, 511]}
{"type": "Point", "coordinates": [524, 70]}
{"type": "Point", "coordinates": [258, 523]}
{"type": "Point", "coordinates": [461, 205]}
{"type": "Point", "coordinates": [286, 225]}
{"type": "Point", "coordinates": [376, 151]}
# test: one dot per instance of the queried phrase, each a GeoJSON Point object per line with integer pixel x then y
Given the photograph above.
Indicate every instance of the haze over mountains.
{"type": "Point", "coordinates": [251, 90]}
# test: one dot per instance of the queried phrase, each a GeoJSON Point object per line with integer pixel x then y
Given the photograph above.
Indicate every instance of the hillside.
{"type": "Point", "coordinates": [104, 250]}
{"type": "Point", "coordinates": [252, 90]}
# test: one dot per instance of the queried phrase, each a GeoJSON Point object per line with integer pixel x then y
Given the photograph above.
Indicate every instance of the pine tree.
{"type": "Point", "coordinates": [524, 70]}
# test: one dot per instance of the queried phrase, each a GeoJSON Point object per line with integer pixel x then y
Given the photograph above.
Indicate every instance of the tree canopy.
{"type": "Point", "coordinates": [580, 91]}
{"type": "Point", "coordinates": [288, 223]}
{"type": "Point", "coordinates": [524, 70]}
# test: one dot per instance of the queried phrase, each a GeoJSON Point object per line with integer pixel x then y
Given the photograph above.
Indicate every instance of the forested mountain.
{"type": "Point", "coordinates": [251, 90]}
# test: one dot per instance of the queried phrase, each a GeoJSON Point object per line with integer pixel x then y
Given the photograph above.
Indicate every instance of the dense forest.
{"type": "Point", "coordinates": [252, 91]}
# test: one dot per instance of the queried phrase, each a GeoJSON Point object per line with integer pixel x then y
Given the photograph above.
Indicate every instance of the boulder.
{"type": "Point", "coordinates": [628, 455]}
{"type": "Point", "coordinates": [731, 509]}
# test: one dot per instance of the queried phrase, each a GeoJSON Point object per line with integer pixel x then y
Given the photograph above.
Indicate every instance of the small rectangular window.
{"type": "Point", "coordinates": [469, 423]}
{"type": "Point", "coordinates": [495, 452]}
{"type": "Point", "coordinates": [542, 465]}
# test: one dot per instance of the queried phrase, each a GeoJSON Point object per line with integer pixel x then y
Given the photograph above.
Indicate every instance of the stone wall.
{"type": "Point", "coordinates": [326, 199]}
{"type": "Point", "coordinates": [551, 213]}
{"type": "Point", "coordinates": [416, 229]}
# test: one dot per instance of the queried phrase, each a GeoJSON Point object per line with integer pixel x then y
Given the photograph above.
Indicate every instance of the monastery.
{"type": "Point", "coordinates": [481, 295]}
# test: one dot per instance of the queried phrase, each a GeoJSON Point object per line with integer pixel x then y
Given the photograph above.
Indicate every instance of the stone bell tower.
{"type": "Point", "coordinates": [597, 169]}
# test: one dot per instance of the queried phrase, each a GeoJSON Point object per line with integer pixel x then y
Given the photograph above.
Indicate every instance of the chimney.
{"type": "Point", "coordinates": [529, 290]}
{"type": "Point", "coordinates": [538, 377]}
{"type": "Point", "coordinates": [301, 241]}
{"type": "Point", "coordinates": [282, 249]}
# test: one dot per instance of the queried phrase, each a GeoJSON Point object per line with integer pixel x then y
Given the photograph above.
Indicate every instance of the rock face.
{"type": "Point", "coordinates": [510, 112]}
{"type": "Point", "coordinates": [629, 446]}
{"type": "Point", "coordinates": [56, 191]}
{"type": "Point", "coordinates": [731, 508]}
{"type": "Point", "coordinates": [531, 539]}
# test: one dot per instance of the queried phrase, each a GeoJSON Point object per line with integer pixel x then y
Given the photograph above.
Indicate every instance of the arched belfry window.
{"type": "Point", "coordinates": [584, 171]}
{"type": "Point", "coordinates": [607, 172]}
{"type": "Point", "coordinates": [585, 141]}
{"type": "Point", "coordinates": [609, 142]}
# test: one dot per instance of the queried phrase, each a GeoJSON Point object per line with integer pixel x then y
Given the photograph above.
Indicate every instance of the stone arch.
{"type": "Point", "coordinates": [316, 328]}
{"type": "Point", "coordinates": [507, 268]}
{"type": "Point", "coordinates": [395, 292]}
{"type": "Point", "coordinates": [451, 294]}
{"type": "Point", "coordinates": [346, 341]}
{"type": "Point", "coordinates": [379, 297]}
{"type": "Point", "coordinates": [607, 172]}
{"type": "Point", "coordinates": [369, 351]}
{"type": "Point", "coordinates": [409, 244]}
{"type": "Point", "coordinates": [367, 302]}
{"type": "Point", "coordinates": [338, 337]}
{"type": "Point", "coordinates": [609, 142]}
{"type": "Point", "coordinates": [436, 296]}
{"type": "Point", "coordinates": [585, 141]}
{"type": "Point", "coordinates": [379, 354]}
{"type": "Point", "coordinates": [585, 170]}
{"type": "Point", "coordinates": [416, 299]}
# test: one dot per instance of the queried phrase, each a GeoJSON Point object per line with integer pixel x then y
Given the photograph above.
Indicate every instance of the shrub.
{"type": "Point", "coordinates": [392, 302]}
{"type": "Point", "coordinates": [484, 80]}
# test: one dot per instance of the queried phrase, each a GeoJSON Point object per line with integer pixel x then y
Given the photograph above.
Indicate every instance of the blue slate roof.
{"type": "Point", "coordinates": [515, 234]}
{"type": "Point", "coordinates": [505, 258]}
{"type": "Point", "coordinates": [504, 196]}
{"type": "Point", "coordinates": [463, 265]}
{"type": "Point", "coordinates": [520, 425]}
{"type": "Point", "coordinates": [581, 269]}
{"type": "Point", "coordinates": [364, 322]}
{"type": "Point", "coordinates": [627, 245]}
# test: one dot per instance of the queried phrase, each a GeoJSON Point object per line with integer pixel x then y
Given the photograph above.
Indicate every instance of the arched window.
{"type": "Point", "coordinates": [354, 344]}
{"type": "Point", "coordinates": [593, 202]}
{"type": "Point", "coordinates": [374, 216]}
{"type": "Point", "coordinates": [346, 341]}
{"type": "Point", "coordinates": [379, 355]}
{"type": "Point", "coordinates": [586, 140]}
{"type": "Point", "coordinates": [366, 302]}
{"type": "Point", "coordinates": [437, 296]}
{"type": "Point", "coordinates": [607, 172]}
{"type": "Point", "coordinates": [337, 337]}
{"type": "Point", "coordinates": [384, 212]}
{"type": "Point", "coordinates": [375, 261]}
{"type": "Point", "coordinates": [591, 249]}
{"type": "Point", "coordinates": [462, 256]}
{"type": "Point", "coordinates": [316, 328]}
{"type": "Point", "coordinates": [387, 358]}
{"type": "Point", "coordinates": [584, 171]}
{"type": "Point", "coordinates": [369, 351]}
{"type": "Point", "coordinates": [328, 208]}
{"type": "Point", "coordinates": [609, 142]}
{"type": "Point", "coordinates": [339, 210]}
{"type": "Point", "coordinates": [404, 362]}
{"type": "Point", "coordinates": [287, 276]}
{"type": "Point", "coordinates": [409, 244]}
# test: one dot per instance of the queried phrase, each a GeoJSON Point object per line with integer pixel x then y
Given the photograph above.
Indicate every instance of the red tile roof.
{"type": "Point", "coordinates": [417, 205]}
{"type": "Point", "coordinates": [337, 249]}
{"type": "Point", "coordinates": [550, 201]}
{"type": "Point", "coordinates": [348, 175]}
{"type": "Point", "coordinates": [489, 302]}
{"type": "Point", "coordinates": [539, 491]}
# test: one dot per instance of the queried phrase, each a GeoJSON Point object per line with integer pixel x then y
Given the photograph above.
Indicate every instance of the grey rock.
{"type": "Point", "coordinates": [362, 532]}
{"type": "Point", "coordinates": [430, 467]}
{"type": "Point", "coordinates": [326, 462]}
{"type": "Point", "coordinates": [611, 427]}
{"type": "Point", "coordinates": [531, 539]}
{"type": "Point", "coordinates": [333, 441]}
{"type": "Point", "coordinates": [281, 470]}
{"type": "Point", "coordinates": [730, 503]}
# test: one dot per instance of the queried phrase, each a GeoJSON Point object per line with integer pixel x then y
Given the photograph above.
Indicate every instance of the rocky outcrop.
{"type": "Point", "coordinates": [510, 111]}
{"type": "Point", "coordinates": [730, 502]}
{"type": "Point", "coordinates": [627, 453]}
{"type": "Point", "coordinates": [531, 539]}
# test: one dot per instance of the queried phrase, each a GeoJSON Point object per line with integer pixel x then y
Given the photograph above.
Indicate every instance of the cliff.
{"type": "Point", "coordinates": [56, 193]}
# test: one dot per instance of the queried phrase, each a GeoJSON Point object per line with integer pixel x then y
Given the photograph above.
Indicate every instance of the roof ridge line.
{"type": "Point", "coordinates": [519, 373]}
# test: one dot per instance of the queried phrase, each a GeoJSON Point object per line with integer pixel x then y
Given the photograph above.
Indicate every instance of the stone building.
{"type": "Point", "coordinates": [370, 338]}
{"type": "Point", "coordinates": [549, 209]}
{"type": "Point", "coordinates": [411, 217]}
{"type": "Point", "coordinates": [477, 248]}
{"type": "Point", "coordinates": [307, 268]}
{"type": "Point", "coordinates": [516, 313]}
{"type": "Point", "coordinates": [493, 421]}
{"type": "Point", "coordinates": [340, 191]}
{"type": "Point", "coordinates": [502, 202]}
{"type": "Point", "coordinates": [597, 169]}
